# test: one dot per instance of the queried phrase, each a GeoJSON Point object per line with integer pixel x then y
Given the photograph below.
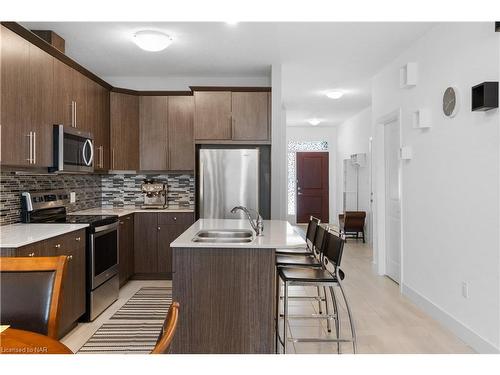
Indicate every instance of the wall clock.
{"type": "Point", "coordinates": [451, 102]}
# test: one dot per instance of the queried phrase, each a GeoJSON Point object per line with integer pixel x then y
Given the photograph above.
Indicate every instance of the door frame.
{"type": "Point", "coordinates": [379, 204]}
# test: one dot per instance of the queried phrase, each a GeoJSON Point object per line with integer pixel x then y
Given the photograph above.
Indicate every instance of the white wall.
{"type": "Point", "coordinates": [353, 137]}
{"type": "Point", "coordinates": [319, 133]}
{"type": "Point", "coordinates": [278, 148]}
{"type": "Point", "coordinates": [450, 188]}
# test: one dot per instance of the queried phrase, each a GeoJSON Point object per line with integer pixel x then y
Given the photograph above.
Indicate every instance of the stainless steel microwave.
{"type": "Point", "coordinates": [73, 150]}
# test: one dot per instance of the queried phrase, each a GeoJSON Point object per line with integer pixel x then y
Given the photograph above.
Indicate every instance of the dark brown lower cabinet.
{"type": "Point", "coordinates": [73, 293]}
{"type": "Point", "coordinates": [152, 237]}
{"type": "Point", "coordinates": [126, 248]}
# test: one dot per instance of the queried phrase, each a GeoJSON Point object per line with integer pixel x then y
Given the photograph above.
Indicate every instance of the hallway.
{"type": "Point", "coordinates": [386, 321]}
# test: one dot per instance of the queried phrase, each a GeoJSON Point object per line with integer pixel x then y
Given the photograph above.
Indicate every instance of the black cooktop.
{"type": "Point", "coordinates": [92, 220]}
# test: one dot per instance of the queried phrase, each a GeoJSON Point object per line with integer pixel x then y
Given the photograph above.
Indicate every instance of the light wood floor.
{"type": "Point", "coordinates": [386, 322]}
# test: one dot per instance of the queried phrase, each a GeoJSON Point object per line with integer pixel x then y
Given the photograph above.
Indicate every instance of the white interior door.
{"type": "Point", "coordinates": [392, 201]}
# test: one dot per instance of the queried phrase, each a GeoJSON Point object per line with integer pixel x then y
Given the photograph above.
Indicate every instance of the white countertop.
{"type": "Point", "coordinates": [278, 234]}
{"type": "Point", "coordinates": [128, 210]}
{"type": "Point", "coordinates": [17, 235]}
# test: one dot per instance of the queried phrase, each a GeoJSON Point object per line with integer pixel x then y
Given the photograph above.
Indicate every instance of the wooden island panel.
{"type": "Point", "coordinates": [226, 300]}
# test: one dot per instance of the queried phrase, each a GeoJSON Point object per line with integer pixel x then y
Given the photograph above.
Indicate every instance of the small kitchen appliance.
{"type": "Point", "coordinates": [155, 194]}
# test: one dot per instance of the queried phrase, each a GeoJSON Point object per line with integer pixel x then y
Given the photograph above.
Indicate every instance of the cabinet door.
{"type": "Point", "coordinates": [129, 222]}
{"type": "Point", "coordinates": [153, 132]}
{"type": "Point", "coordinates": [102, 149]}
{"type": "Point", "coordinates": [63, 76]}
{"type": "Point", "coordinates": [124, 131]}
{"type": "Point", "coordinates": [126, 247]}
{"type": "Point", "coordinates": [180, 133]}
{"type": "Point", "coordinates": [41, 98]}
{"type": "Point", "coordinates": [250, 116]}
{"type": "Point", "coordinates": [80, 85]}
{"type": "Point", "coordinates": [212, 115]}
{"type": "Point", "coordinates": [171, 225]}
{"type": "Point", "coordinates": [145, 242]}
{"type": "Point", "coordinates": [15, 103]}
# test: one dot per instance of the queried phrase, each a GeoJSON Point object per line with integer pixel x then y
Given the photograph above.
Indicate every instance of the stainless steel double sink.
{"type": "Point", "coordinates": [224, 236]}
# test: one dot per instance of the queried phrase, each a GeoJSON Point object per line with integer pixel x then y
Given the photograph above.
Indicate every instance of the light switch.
{"type": "Point", "coordinates": [72, 197]}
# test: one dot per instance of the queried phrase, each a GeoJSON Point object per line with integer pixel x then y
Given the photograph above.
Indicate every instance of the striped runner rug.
{"type": "Point", "coordinates": [135, 327]}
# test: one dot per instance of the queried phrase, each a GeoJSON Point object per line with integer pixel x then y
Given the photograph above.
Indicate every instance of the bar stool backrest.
{"type": "Point", "coordinates": [333, 247]}
{"type": "Point", "coordinates": [311, 231]}
{"type": "Point", "coordinates": [319, 240]}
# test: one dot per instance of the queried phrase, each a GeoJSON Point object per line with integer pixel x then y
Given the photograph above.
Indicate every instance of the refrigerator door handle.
{"type": "Point", "coordinates": [202, 172]}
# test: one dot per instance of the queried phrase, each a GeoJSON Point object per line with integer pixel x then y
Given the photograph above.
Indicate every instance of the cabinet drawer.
{"type": "Point", "coordinates": [176, 218]}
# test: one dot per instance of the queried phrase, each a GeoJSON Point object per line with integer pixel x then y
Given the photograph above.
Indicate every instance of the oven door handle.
{"type": "Point", "coordinates": [108, 227]}
{"type": "Point", "coordinates": [88, 143]}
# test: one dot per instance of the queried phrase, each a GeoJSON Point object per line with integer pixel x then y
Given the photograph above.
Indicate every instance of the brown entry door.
{"type": "Point", "coordinates": [312, 186]}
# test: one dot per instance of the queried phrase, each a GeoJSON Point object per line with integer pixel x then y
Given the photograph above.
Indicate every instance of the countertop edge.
{"type": "Point", "coordinates": [56, 231]}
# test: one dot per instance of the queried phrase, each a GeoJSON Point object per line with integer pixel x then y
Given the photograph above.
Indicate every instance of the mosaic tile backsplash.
{"type": "Point", "coordinates": [92, 191]}
{"type": "Point", "coordinates": [87, 188]}
{"type": "Point", "coordinates": [121, 190]}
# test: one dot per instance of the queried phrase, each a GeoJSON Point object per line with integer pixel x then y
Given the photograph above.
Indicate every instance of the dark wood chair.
{"type": "Point", "coordinates": [352, 223]}
{"type": "Point", "coordinates": [168, 331]}
{"type": "Point", "coordinates": [30, 293]}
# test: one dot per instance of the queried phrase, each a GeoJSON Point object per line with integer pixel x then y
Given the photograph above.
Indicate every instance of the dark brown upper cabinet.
{"type": "Point", "coordinates": [180, 133]}
{"type": "Point", "coordinates": [70, 97]}
{"type": "Point", "coordinates": [153, 120]}
{"type": "Point", "coordinates": [250, 114]}
{"type": "Point", "coordinates": [212, 115]}
{"type": "Point", "coordinates": [237, 116]}
{"type": "Point", "coordinates": [124, 134]}
{"type": "Point", "coordinates": [98, 117]}
{"type": "Point", "coordinates": [26, 107]}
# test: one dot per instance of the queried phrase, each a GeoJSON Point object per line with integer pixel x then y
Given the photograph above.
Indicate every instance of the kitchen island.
{"type": "Point", "coordinates": [226, 288]}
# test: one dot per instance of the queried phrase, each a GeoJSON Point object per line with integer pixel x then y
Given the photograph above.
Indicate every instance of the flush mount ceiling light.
{"type": "Point", "coordinates": [314, 121]}
{"type": "Point", "coordinates": [232, 23]}
{"type": "Point", "coordinates": [151, 40]}
{"type": "Point", "coordinates": [335, 94]}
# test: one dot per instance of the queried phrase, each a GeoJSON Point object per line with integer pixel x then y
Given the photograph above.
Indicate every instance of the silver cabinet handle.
{"type": "Point", "coordinates": [122, 222]}
{"type": "Point", "coordinates": [76, 124]}
{"type": "Point", "coordinates": [73, 118]}
{"type": "Point", "coordinates": [30, 153]}
{"type": "Point", "coordinates": [128, 217]}
{"type": "Point", "coordinates": [113, 158]}
{"type": "Point", "coordinates": [34, 147]}
{"type": "Point", "coordinates": [77, 239]}
{"type": "Point", "coordinates": [58, 246]}
{"type": "Point", "coordinates": [31, 254]}
{"type": "Point", "coordinates": [70, 257]}
{"type": "Point", "coordinates": [159, 228]}
{"type": "Point", "coordinates": [175, 218]}
{"type": "Point", "coordinates": [101, 150]}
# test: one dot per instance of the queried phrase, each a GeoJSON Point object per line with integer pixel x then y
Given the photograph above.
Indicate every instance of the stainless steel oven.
{"type": "Point", "coordinates": [103, 267]}
{"type": "Point", "coordinates": [73, 150]}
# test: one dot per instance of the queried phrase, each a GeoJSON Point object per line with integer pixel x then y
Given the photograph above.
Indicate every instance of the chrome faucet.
{"type": "Point", "coordinates": [257, 224]}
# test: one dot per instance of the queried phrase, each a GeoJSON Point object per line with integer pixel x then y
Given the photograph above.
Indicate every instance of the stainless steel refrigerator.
{"type": "Point", "coordinates": [227, 178]}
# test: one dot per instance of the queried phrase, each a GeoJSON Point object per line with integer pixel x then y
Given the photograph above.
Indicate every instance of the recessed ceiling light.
{"type": "Point", "coordinates": [314, 121]}
{"type": "Point", "coordinates": [335, 94]}
{"type": "Point", "coordinates": [151, 40]}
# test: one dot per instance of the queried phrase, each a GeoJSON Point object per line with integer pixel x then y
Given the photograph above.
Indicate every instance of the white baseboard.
{"type": "Point", "coordinates": [471, 338]}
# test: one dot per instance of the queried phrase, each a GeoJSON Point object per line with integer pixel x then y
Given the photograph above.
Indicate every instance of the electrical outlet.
{"type": "Point", "coordinates": [72, 197]}
{"type": "Point", "coordinates": [465, 289]}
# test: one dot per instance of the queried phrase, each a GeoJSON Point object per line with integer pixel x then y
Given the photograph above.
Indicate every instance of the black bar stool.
{"type": "Point", "coordinates": [314, 260]}
{"type": "Point", "coordinates": [332, 246]}
{"type": "Point", "coordinates": [310, 234]}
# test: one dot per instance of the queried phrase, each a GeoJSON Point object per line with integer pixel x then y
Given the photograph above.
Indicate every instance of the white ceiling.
{"type": "Point", "coordinates": [315, 57]}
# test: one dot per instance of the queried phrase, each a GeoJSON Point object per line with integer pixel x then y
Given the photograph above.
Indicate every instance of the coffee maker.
{"type": "Point", "coordinates": [155, 194]}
